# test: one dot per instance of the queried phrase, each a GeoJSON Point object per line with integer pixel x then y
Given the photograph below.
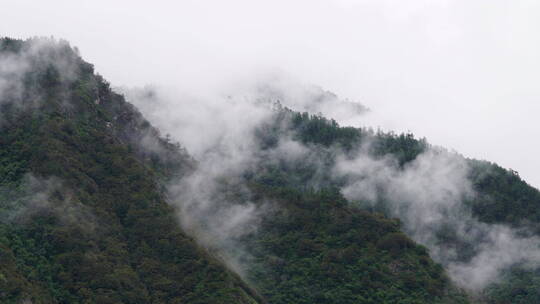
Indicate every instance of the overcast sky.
{"type": "Point", "coordinates": [464, 74]}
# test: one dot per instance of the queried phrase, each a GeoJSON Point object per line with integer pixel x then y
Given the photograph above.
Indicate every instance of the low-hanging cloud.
{"type": "Point", "coordinates": [24, 67]}
{"type": "Point", "coordinates": [222, 132]}
{"type": "Point", "coordinates": [37, 196]}
{"type": "Point", "coordinates": [219, 132]}
{"type": "Point", "coordinates": [302, 97]}
{"type": "Point", "coordinates": [428, 196]}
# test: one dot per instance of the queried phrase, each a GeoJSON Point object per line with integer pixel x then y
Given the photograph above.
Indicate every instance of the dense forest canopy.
{"type": "Point", "coordinates": [96, 206]}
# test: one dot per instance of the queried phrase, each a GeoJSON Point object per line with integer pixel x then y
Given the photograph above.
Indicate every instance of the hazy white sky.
{"type": "Point", "coordinates": [465, 74]}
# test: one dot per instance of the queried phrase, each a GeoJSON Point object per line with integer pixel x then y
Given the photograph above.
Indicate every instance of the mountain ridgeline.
{"type": "Point", "coordinates": [84, 219]}
{"type": "Point", "coordinates": [97, 207]}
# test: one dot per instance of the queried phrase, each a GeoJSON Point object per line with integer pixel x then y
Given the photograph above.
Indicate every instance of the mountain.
{"type": "Point", "coordinates": [478, 220]}
{"type": "Point", "coordinates": [84, 219]}
{"type": "Point", "coordinates": [97, 207]}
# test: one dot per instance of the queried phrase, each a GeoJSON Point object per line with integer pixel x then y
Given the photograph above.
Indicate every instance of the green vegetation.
{"type": "Point", "coordinates": [95, 228]}
{"type": "Point", "coordinates": [321, 251]}
{"type": "Point", "coordinates": [84, 218]}
{"type": "Point", "coordinates": [501, 196]}
{"type": "Point", "coordinates": [504, 196]}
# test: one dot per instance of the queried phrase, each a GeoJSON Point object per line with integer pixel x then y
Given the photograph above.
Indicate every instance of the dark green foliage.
{"type": "Point", "coordinates": [319, 130]}
{"type": "Point", "coordinates": [315, 129]}
{"type": "Point", "coordinates": [83, 217]}
{"type": "Point", "coordinates": [519, 287]}
{"type": "Point", "coordinates": [316, 249]}
{"type": "Point", "coordinates": [501, 196]}
{"type": "Point", "coordinates": [321, 252]}
{"type": "Point", "coordinates": [97, 230]}
{"type": "Point", "coordinates": [504, 196]}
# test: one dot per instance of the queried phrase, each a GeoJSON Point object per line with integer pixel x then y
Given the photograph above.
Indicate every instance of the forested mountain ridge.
{"type": "Point", "coordinates": [92, 200]}
{"type": "Point", "coordinates": [83, 217]}
{"type": "Point", "coordinates": [492, 219]}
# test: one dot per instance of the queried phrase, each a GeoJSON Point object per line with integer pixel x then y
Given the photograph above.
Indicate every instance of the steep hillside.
{"type": "Point", "coordinates": [97, 207]}
{"type": "Point", "coordinates": [306, 179]}
{"type": "Point", "coordinates": [83, 216]}
{"type": "Point", "coordinates": [488, 231]}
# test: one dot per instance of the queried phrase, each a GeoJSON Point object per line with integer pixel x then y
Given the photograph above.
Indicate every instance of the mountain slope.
{"type": "Point", "coordinates": [494, 219]}
{"type": "Point", "coordinates": [92, 201]}
{"type": "Point", "coordinates": [84, 219]}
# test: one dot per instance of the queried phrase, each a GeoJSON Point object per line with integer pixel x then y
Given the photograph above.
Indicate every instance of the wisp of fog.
{"type": "Point", "coordinates": [427, 194]}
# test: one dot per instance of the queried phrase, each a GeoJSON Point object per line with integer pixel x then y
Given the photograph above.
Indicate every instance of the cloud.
{"type": "Point", "coordinates": [419, 66]}
{"type": "Point", "coordinates": [222, 132]}
{"type": "Point", "coordinates": [213, 203]}
{"type": "Point", "coordinates": [37, 196]}
{"type": "Point", "coordinates": [499, 248]}
{"type": "Point", "coordinates": [32, 69]}
{"type": "Point", "coordinates": [425, 66]}
{"type": "Point", "coordinates": [296, 95]}
{"type": "Point", "coordinates": [428, 195]}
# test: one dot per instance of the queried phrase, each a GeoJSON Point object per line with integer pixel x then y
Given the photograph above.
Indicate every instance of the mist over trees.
{"type": "Point", "coordinates": [247, 198]}
{"type": "Point", "coordinates": [439, 196]}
